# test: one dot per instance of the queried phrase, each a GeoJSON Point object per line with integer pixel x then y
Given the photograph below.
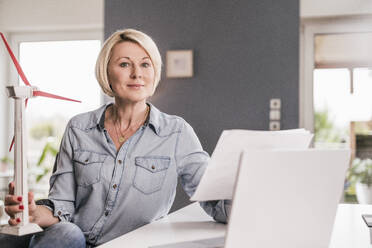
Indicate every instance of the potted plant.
{"type": "Point", "coordinates": [360, 175]}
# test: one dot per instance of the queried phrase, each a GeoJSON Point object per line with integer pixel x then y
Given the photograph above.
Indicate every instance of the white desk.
{"type": "Point", "coordinates": [191, 223]}
{"type": "Point", "coordinates": [349, 230]}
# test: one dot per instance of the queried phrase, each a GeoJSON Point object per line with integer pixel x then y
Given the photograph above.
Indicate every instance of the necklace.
{"type": "Point", "coordinates": [122, 137]}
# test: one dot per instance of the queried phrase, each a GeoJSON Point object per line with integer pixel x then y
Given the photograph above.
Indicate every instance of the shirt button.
{"type": "Point", "coordinates": [114, 186]}
{"type": "Point", "coordinates": [120, 161]}
{"type": "Point", "coordinates": [86, 160]}
{"type": "Point", "coordinates": [59, 213]}
{"type": "Point", "coordinates": [153, 167]}
{"type": "Point", "coordinates": [106, 213]}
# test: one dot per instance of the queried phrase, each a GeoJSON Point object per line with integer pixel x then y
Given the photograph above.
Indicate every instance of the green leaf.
{"type": "Point", "coordinates": [43, 155]}
{"type": "Point", "coordinates": [39, 177]}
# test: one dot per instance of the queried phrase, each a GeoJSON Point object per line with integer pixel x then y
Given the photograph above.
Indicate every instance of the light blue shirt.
{"type": "Point", "coordinates": [108, 193]}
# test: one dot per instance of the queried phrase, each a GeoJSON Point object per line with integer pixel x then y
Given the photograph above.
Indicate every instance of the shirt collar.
{"type": "Point", "coordinates": [99, 117]}
{"type": "Point", "coordinates": [153, 119]}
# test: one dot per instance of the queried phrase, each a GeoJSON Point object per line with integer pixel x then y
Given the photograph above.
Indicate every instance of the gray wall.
{"type": "Point", "coordinates": [245, 52]}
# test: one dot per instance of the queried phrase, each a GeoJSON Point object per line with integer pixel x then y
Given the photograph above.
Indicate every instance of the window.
{"type": "Point", "coordinates": [62, 64]}
{"type": "Point", "coordinates": [341, 85]}
{"type": "Point", "coordinates": [339, 101]}
{"type": "Point", "coordinates": [344, 43]}
{"type": "Point", "coordinates": [64, 68]}
{"type": "Point", "coordinates": [335, 86]}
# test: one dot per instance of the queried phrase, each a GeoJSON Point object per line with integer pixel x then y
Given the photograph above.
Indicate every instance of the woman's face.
{"type": "Point", "coordinates": [131, 72]}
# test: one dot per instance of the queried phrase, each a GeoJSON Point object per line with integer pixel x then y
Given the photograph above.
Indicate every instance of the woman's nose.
{"type": "Point", "coordinates": [136, 72]}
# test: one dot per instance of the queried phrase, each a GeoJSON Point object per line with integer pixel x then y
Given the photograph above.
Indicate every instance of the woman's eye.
{"type": "Point", "coordinates": [124, 64]}
{"type": "Point", "coordinates": [145, 64]}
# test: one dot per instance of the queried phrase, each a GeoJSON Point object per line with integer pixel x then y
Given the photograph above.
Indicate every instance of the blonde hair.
{"type": "Point", "coordinates": [131, 35]}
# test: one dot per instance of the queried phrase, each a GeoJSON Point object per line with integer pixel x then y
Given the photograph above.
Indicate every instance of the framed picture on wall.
{"type": "Point", "coordinates": [179, 64]}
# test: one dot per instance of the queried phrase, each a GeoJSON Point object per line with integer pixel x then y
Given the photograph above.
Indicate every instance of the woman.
{"type": "Point", "coordinates": [117, 166]}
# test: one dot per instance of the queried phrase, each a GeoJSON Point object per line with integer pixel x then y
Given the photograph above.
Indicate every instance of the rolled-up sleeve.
{"type": "Point", "coordinates": [62, 182]}
{"type": "Point", "coordinates": [191, 162]}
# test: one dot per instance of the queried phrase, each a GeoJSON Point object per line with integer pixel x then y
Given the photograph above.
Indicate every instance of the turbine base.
{"type": "Point", "coordinates": [20, 230]}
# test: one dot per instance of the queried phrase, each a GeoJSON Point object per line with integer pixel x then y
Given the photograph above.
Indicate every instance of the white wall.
{"type": "Point", "coordinates": [22, 16]}
{"type": "Point", "coordinates": [333, 8]}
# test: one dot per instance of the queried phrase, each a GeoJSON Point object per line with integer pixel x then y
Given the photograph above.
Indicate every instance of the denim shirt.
{"type": "Point", "coordinates": [108, 193]}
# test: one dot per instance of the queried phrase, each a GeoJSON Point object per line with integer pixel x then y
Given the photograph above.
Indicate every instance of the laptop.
{"type": "Point", "coordinates": [282, 198]}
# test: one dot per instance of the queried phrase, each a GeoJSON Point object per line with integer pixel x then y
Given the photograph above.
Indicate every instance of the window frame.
{"type": "Point", "coordinates": [309, 29]}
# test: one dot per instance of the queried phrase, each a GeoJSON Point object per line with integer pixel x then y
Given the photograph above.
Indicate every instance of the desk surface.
{"type": "Point", "coordinates": [191, 223]}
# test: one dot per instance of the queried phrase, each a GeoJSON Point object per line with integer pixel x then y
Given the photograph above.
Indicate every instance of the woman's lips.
{"type": "Point", "coordinates": [135, 86]}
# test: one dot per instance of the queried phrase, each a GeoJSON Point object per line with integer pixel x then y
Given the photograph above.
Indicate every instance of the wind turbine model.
{"type": "Point", "coordinates": [21, 94]}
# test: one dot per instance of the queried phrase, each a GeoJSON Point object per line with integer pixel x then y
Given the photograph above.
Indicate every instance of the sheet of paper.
{"type": "Point", "coordinates": [219, 178]}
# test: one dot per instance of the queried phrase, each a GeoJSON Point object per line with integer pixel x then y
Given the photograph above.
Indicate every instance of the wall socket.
{"type": "Point", "coordinates": [274, 115]}
{"type": "Point", "coordinates": [274, 125]}
{"type": "Point", "coordinates": [275, 103]}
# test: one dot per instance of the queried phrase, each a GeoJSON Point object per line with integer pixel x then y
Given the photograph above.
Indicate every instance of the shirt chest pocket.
{"type": "Point", "coordinates": [150, 173]}
{"type": "Point", "coordinates": [88, 167]}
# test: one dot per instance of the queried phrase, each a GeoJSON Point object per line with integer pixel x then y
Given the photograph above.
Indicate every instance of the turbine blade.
{"type": "Point", "coordinates": [11, 145]}
{"type": "Point", "coordinates": [18, 67]}
{"type": "Point", "coordinates": [46, 94]}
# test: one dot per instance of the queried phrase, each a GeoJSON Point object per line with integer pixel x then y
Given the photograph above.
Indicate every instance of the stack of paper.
{"type": "Point", "coordinates": [219, 178]}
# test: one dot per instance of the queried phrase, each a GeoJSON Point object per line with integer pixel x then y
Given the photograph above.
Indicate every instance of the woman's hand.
{"type": "Point", "coordinates": [14, 205]}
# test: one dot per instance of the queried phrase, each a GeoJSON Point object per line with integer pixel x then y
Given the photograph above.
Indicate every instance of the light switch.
{"type": "Point", "coordinates": [274, 125]}
{"type": "Point", "coordinates": [274, 115]}
{"type": "Point", "coordinates": [275, 103]}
